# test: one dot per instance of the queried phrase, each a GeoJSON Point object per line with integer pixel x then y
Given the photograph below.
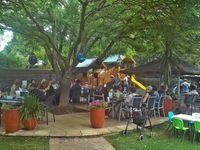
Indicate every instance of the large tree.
{"type": "Point", "coordinates": [66, 27]}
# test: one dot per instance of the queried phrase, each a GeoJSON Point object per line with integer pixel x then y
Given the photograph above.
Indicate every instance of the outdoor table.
{"type": "Point", "coordinates": [193, 117]}
{"type": "Point", "coordinates": [11, 100]}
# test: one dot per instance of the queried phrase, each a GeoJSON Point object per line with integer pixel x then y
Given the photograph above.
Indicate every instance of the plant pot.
{"type": "Point", "coordinates": [168, 106]}
{"type": "Point", "coordinates": [30, 123]}
{"type": "Point", "coordinates": [97, 117]}
{"type": "Point", "coordinates": [11, 120]}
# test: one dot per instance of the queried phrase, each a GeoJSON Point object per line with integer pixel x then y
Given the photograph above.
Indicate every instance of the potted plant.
{"type": "Point", "coordinates": [30, 111]}
{"type": "Point", "coordinates": [97, 113]}
{"type": "Point", "coordinates": [11, 118]}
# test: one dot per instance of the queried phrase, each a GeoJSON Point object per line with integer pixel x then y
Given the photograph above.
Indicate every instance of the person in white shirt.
{"type": "Point", "coordinates": [192, 91]}
{"type": "Point", "coordinates": [185, 86]}
{"type": "Point", "coordinates": [133, 93]}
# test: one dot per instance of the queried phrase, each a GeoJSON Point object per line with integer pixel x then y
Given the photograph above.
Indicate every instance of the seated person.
{"type": "Point", "coordinates": [23, 90]}
{"type": "Point", "coordinates": [75, 92]}
{"type": "Point", "coordinates": [155, 93]}
{"type": "Point", "coordinates": [146, 95]}
{"type": "Point", "coordinates": [130, 97]}
{"type": "Point", "coordinates": [53, 90]}
{"type": "Point", "coordinates": [30, 84]}
{"type": "Point", "coordinates": [15, 87]}
{"type": "Point", "coordinates": [43, 85]}
{"type": "Point", "coordinates": [38, 93]}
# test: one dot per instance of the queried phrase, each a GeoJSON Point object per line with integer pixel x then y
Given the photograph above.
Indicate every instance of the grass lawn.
{"type": "Point", "coordinates": [23, 143]}
{"type": "Point", "coordinates": [161, 140]}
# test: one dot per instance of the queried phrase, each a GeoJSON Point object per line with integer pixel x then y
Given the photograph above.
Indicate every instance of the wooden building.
{"type": "Point", "coordinates": [94, 74]}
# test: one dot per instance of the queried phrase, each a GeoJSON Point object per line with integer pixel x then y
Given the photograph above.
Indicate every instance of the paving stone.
{"type": "Point", "coordinates": [76, 124]}
{"type": "Point", "coordinates": [95, 143]}
{"type": "Point", "coordinates": [89, 132]}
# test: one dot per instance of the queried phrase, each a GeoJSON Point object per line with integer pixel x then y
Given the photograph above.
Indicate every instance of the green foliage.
{"type": "Point", "coordinates": [31, 107]}
{"type": "Point", "coordinates": [8, 106]}
{"type": "Point", "coordinates": [12, 60]}
{"type": "Point", "coordinates": [161, 140]}
{"type": "Point", "coordinates": [23, 143]}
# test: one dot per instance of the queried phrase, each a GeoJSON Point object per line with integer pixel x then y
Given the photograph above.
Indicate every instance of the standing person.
{"type": "Point", "coordinates": [185, 86]}
{"type": "Point", "coordinates": [189, 96]}
{"type": "Point", "coordinates": [75, 92]}
{"type": "Point", "coordinates": [126, 84]}
{"type": "Point", "coordinates": [116, 82]}
{"type": "Point", "coordinates": [15, 87]}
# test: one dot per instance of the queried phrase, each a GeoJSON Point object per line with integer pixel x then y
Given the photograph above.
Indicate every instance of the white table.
{"type": "Point", "coordinates": [193, 117]}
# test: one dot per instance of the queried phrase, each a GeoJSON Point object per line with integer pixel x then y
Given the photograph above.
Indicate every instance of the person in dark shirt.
{"type": "Point", "coordinates": [75, 92]}
{"type": "Point", "coordinates": [38, 93]}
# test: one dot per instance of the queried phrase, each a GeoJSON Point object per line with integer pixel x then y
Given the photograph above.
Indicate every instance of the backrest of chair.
{"type": "Point", "coordinates": [161, 102]}
{"type": "Point", "coordinates": [197, 125]}
{"type": "Point", "coordinates": [170, 115]}
{"type": "Point", "coordinates": [190, 98]}
{"type": "Point", "coordinates": [99, 96]}
{"type": "Point", "coordinates": [151, 102]}
{"type": "Point", "coordinates": [177, 123]}
{"type": "Point", "coordinates": [136, 102]}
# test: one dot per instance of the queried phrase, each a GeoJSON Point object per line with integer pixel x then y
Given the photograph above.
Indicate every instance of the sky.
{"type": "Point", "coordinates": [5, 38]}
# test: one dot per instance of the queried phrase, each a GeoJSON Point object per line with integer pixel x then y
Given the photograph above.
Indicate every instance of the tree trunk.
{"type": "Point", "coordinates": [65, 88]}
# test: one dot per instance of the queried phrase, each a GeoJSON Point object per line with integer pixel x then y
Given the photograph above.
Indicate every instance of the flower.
{"type": "Point", "coordinates": [98, 104]}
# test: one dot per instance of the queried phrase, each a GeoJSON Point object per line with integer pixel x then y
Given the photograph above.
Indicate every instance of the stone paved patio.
{"type": "Point", "coordinates": [94, 143]}
{"type": "Point", "coordinates": [75, 125]}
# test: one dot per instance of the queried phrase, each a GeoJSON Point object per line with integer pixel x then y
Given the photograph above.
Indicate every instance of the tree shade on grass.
{"type": "Point", "coordinates": [23, 143]}
{"type": "Point", "coordinates": [161, 140]}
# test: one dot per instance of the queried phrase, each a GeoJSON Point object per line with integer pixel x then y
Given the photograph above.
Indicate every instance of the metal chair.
{"type": "Point", "coordinates": [160, 106]}
{"type": "Point", "coordinates": [49, 108]}
{"type": "Point", "coordinates": [190, 99]}
{"type": "Point", "coordinates": [128, 107]}
{"type": "Point", "coordinates": [151, 104]}
{"type": "Point", "coordinates": [97, 95]}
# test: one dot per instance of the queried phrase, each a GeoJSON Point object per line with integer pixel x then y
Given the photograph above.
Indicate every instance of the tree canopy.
{"type": "Point", "coordinates": [64, 28]}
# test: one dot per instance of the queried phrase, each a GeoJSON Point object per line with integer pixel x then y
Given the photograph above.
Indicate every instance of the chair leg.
{"type": "Point", "coordinates": [163, 112]}
{"type": "Point", "coordinates": [184, 134]}
{"type": "Point", "coordinates": [47, 121]}
{"type": "Point", "coordinates": [120, 112]}
{"type": "Point", "coordinates": [54, 120]}
{"type": "Point", "coordinates": [176, 133]}
{"type": "Point", "coordinates": [158, 112]}
{"type": "Point", "coordinates": [168, 126]}
{"type": "Point", "coordinates": [154, 112]}
{"type": "Point", "coordinates": [194, 135]}
{"type": "Point", "coordinates": [113, 111]}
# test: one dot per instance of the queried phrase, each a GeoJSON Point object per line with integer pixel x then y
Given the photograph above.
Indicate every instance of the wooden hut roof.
{"type": "Point", "coordinates": [156, 67]}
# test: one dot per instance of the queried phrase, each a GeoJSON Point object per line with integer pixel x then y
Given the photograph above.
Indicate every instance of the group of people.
{"type": "Point", "coordinates": [43, 90]}
{"type": "Point", "coordinates": [117, 83]}
{"type": "Point", "coordinates": [150, 91]}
